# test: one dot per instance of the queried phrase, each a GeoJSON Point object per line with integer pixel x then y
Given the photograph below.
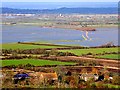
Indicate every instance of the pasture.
{"type": "Point", "coordinates": [110, 56]}
{"type": "Point", "coordinates": [35, 62]}
{"type": "Point", "coordinates": [24, 46]}
{"type": "Point", "coordinates": [79, 52]}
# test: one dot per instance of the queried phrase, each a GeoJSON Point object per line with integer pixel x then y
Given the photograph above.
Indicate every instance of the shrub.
{"type": "Point", "coordinates": [116, 80]}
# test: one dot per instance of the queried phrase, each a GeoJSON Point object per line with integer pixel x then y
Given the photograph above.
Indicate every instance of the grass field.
{"type": "Point", "coordinates": [112, 86]}
{"type": "Point", "coordinates": [35, 62]}
{"type": "Point", "coordinates": [110, 56]}
{"type": "Point", "coordinates": [24, 46]}
{"type": "Point", "coordinates": [91, 50]}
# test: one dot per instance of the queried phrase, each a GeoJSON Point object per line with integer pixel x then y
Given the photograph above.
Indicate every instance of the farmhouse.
{"type": "Point", "coordinates": [44, 77]}
{"type": "Point", "coordinates": [88, 76]}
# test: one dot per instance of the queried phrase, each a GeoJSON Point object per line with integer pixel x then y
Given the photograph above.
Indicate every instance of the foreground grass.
{"type": "Point", "coordinates": [24, 46]}
{"type": "Point", "coordinates": [35, 62]}
{"type": "Point", "coordinates": [110, 56]}
{"type": "Point", "coordinates": [112, 86]}
{"type": "Point", "coordinates": [79, 52]}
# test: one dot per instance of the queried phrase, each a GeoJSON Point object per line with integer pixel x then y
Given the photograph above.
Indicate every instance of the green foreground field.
{"type": "Point", "coordinates": [24, 46]}
{"type": "Point", "coordinates": [35, 62]}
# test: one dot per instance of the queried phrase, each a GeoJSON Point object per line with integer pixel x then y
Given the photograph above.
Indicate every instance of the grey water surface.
{"type": "Point", "coordinates": [27, 33]}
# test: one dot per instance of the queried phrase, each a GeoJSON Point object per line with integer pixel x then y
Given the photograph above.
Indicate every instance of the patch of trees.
{"type": "Point", "coordinates": [15, 57]}
{"type": "Point", "coordinates": [30, 53]}
{"type": "Point", "coordinates": [27, 51]}
{"type": "Point", "coordinates": [31, 43]}
{"type": "Point", "coordinates": [36, 51]}
{"type": "Point", "coordinates": [105, 46]}
{"type": "Point", "coordinates": [103, 53]}
{"type": "Point", "coordinates": [89, 63]}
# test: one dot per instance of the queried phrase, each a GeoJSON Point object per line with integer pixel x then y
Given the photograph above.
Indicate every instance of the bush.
{"type": "Point", "coordinates": [116, 80]}
{"type": "Point", "coordinates": [89, 53]}
{"type": "Point", "coordinates": [93, 85]}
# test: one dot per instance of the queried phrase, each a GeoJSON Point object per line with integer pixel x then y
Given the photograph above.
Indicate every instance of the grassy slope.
{"type": "Point", "coordinates": [92, 50]}
{"type": "Point", "coordinates": [36, 62]}
{"type": "Point", "coordinates": [24, 46]}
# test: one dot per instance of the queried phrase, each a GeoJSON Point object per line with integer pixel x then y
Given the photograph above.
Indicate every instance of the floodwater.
{"type": "Point", "coordinates": [27, 33]}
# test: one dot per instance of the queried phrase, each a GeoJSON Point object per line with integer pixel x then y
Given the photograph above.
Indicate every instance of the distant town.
{"type": "Point", "coordinates": [70, 21]}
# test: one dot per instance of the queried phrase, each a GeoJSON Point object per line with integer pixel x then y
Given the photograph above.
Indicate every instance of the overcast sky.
{"type": "Point", "coordinates": [60, 0]}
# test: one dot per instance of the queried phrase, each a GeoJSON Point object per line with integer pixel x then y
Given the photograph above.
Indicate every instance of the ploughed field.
{"type": "Point", "coordinates": [35, 62]}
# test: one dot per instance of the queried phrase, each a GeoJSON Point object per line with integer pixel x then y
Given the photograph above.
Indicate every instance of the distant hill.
{"type": "Point", "coordinates": [64, 10]}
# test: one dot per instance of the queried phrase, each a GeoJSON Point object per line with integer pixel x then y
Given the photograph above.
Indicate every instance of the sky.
{"type": "Point", "coordinates": [60, 0]}
{"type": "Point", "coordinates": [53, 4]}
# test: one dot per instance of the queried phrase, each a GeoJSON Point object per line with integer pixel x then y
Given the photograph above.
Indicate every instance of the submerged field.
{"type": "Point", "coordinates": [35, 62]}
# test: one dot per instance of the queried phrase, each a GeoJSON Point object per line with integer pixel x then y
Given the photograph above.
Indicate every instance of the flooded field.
{"type": "Point", "coordinates": [27, 33]}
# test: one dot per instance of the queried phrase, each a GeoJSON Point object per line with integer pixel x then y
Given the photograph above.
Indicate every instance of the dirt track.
{"type": "Point", "coordinates": [105, 62]}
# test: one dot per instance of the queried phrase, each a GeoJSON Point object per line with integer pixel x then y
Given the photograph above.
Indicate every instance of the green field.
{"type": "Point", "coordinates": [24, 46]}
{"type": "Point", "coordinates": [110, 56]}
{"type": "Point", "coordinates": [35, 62]}
{"type": "Point", "coordinates": [112, 86]}
{"type": "Point", "coordinates": [91, 50]}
